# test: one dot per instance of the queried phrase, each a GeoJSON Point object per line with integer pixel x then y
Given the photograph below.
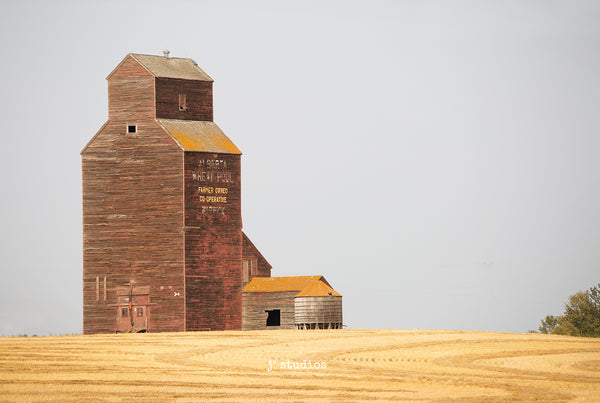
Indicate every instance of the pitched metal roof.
{"type": "Point", "coordinates": [270, 284]}
{"type": "Point", "coordinates": [172, 67]}
{"type": "Point", "coordinates": [318, 289]}
{"type": "Point", "coordinates": [304, 285]}
{"type": "Point", "coordinates": [194, 135]}
{"type": "Point", "coordinates": [168, 67]}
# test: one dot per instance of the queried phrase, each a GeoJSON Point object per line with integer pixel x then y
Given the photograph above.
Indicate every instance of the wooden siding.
{"type": "Point", "coordinates": [132, 209]}
{"type": "Point", "coordinates": [158, 218]}
{"type": "Point", "coordinates": [131, 93]}
{"type": "Point", "coordinates": [255, 305]}
{"type": "Point", "coordinates": [213, 241]}
{"type": "Point", "coordinates": [198, 99]}
{"type": "Point", "coordinates": [256, 264]}
{"type": "Point", "coordinates": [132, 224]}
{"type": "Point", "coordinates": [318, 310]}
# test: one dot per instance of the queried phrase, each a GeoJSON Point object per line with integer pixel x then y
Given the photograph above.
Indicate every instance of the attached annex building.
{"type": "Point", "coordinates": [300, 302]}
{"type": "Point", "coordinates": [163, 247]}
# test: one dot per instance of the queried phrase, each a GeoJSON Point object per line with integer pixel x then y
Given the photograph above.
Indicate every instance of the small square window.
{"type": "Point", "coordinates": [140, 311]}
{"type": "Point", "coordinates": [124, 312]}
{"type": "Point", "coordinates": [131, 129]}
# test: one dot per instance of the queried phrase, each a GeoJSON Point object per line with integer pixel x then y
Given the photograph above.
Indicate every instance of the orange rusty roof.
{"type": "Point", "coordinates": [194, 135]}
{"type": "Point", "coordinates": [305, 285]}
{"type": "Point", "coordinates": [270, 284]}
{"type": "Point", "coordinates": [318, 289]}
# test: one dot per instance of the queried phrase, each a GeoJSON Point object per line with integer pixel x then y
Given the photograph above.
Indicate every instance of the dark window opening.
{"type": "Point", "coordinates": [273, 317]}
{"type": "Point", "coordinates": [131, 129]}
{"type": "Point", "coordinates": [140, 311]}
{"type": "Point", "coordinates": [182, 102]}
{"type": "Point", "coordinates": [124, 312]}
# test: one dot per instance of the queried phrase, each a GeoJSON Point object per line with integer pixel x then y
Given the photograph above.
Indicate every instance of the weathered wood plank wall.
{"type": "Point", "coordinates": [198, 99]}
{"type": "Point", "coordinates": [318, 309]}
{"type": "Point", "coordinates": [132, 209]}
{"type": "Point", "coordinates": [213, 241]}
{"type": "Point", "coordinates": [256, 264]}
{"type": "Point", "coordinates": [254, 305]}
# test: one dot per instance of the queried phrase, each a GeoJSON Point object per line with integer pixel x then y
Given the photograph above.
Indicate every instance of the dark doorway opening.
{"type": "Point", "coordinates": [273, 317]}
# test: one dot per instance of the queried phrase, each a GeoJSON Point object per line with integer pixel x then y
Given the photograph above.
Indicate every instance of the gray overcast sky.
{"type": "Point", "coordinates": [437, 161]}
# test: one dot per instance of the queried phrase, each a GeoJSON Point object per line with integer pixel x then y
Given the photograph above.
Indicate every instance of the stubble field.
{"type": "Point", "coordinates": [392, 365]}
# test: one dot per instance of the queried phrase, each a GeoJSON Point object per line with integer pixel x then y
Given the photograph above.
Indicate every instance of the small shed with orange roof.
{"type": "Point", "coordinates": [298, 302]}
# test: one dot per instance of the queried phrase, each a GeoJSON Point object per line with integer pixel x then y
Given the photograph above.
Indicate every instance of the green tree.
{"type": "Point", "coordinates": [565, 328]}
{"type": "Point", "coordinates": [581, 316]}
{"type": "Point", "coordinates": [548, 324]}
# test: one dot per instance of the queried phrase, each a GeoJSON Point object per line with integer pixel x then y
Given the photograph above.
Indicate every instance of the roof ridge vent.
{"type": "Point", "coordinates": [166, 53]}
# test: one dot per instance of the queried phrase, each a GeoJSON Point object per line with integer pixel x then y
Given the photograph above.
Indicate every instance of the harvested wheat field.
{"type": "Point", "coordinates": [399, 365]}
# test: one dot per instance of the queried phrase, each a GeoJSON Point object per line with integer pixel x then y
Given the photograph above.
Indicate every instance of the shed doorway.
{"type": "Point", "coordinates": [274, 317]}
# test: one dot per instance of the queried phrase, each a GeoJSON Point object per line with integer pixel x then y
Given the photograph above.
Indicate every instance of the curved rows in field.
{"type": "Point", "coordinates": [302, 365]}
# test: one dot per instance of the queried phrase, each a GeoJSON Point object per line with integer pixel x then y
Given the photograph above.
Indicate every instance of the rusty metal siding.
{"type": "Point", "coordinates": [213, 241]}
{"type": "Point", "coordinates": [198, 99]}
{"type": "Point", "coordinates": [255, 305]}
{"type": "Point", "coordinates": [132, 224]}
